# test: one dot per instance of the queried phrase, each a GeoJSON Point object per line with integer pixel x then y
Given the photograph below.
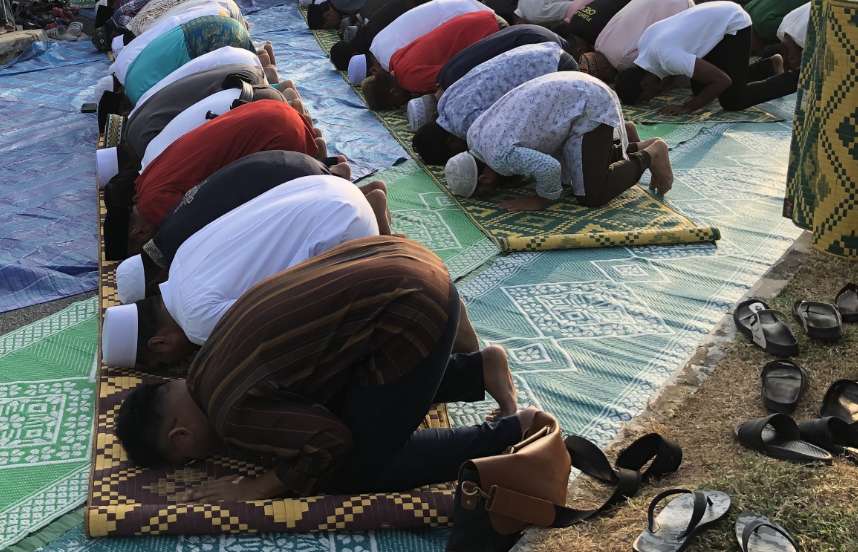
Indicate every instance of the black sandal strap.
{"type": "Point", "coordinates": [755, 525]}
{"type": "Point", "coordinates": [650, 512]}
{"type": "Point", "coordinates": [750, 433]}
{"type": "Point", "coordinates": [701, 504]}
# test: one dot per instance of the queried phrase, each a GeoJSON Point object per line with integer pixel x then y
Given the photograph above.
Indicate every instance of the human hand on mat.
{"type": "Point", "coordinates": [676, 109]}
{"type": "Point", "coordinates": [532, 203]}
{"type": "Point", "coordinates": [236, 488]}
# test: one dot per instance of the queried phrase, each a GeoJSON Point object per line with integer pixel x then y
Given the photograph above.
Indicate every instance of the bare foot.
{"type": "Point", "coordinates": [321, 149]}
{"type": "Point", "coordinates": [271, 74]}
{"type": "Point", "coordinates": [290, 94]}
{"type": "Point", "coordinates": [270, 50]}
{"type": "Point", "coordinates": [378, 201]}
{"type": "Point", "coordinates": [632, 132]}
{"type": "Point", "coordinates": [317, 132]}
{"type": "Point", "coordinates": [264, 58]}
{"type": "Point", "coordinates": [298, 106]}
{"type": "Point", "coordinates": [497, 380]}
{"type": "Point", "coordinates": [374, 185]}
{"type": "Point", "coordinates": [777, 64]}
{"type": "Point", "coordinates": [343, 170]}
{"type": "Point", "coordinates": [525, 418]}
{"type": "Point", "coordinates": [662, 173]}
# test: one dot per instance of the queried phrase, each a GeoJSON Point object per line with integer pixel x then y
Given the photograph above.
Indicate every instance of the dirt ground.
{"type": "Point", "coordinates": [815, 503]}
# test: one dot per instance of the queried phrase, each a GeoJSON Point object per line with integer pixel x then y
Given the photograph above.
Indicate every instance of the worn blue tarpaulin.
{"type": "Point", "coordinates": [47, 174]}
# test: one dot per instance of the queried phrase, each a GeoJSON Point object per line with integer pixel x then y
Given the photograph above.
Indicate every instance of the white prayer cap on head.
{"type": "Point", "coordinates": [131, 280]}
{"type": "Point", "coordinates": [106, 165]}
{"type": "Point", "coordinates": [421, 110]}
{"type": "Point", "coordinates": [119, 336]}
{"type": "Point", "coordinates": [461, 174]}
{"type": "Point", "coordinates": [357, 69]}
{"type": "Point", "coordinates": [117, 44]}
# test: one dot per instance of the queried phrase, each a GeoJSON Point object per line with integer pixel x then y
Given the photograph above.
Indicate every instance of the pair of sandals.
{"type": "Point", "coordinates": [766, 327]}
{"type": "Point", "coordinates": [673, 529]}
{"type": "Point", "coordinates": [834, 433]}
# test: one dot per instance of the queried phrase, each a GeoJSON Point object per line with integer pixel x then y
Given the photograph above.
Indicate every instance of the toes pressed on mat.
{"type": "Point", "coordinates": [682, 518]}
{"type": "Point", "coordinates": [778, 436]}
{"type": "Point", "coordinates": [841, 401]}
{"type": "Point", "coordinates": [764, 326]}
{"type": "Point", "coordinates": [847, 302]}
{"type": "Point", "coordinates": [783, 383]}
{"type": "Point", "coordinates": [819, 320]}
{"type": "Point", "coordinates": [759, 534]}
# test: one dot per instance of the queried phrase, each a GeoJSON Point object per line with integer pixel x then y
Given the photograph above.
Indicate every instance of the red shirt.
{"type": "Point", "coordinates": [416, 66]}
{"type": "Point", "coordinates": [258, 126]}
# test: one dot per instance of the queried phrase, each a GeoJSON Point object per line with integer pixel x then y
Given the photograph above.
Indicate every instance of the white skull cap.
{"type": "Point", "coordinates": [131, 280]}
{"type": "Point", "coordinates": [357, 69]}
{"type": "Point", "coordinates": [106, 165]}
{"type": "Point", "coordinates": [119, 336]}
{"type": "Point", "coordinates": [117, 44]}
{"type": "Point", "coordinates": [421, 110]}
{"type": "Point", "coordinates": [461, 174]}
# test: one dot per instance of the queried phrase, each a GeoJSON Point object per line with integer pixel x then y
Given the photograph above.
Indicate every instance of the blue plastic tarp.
{"type": "Point", "coordinates": [48, 211]}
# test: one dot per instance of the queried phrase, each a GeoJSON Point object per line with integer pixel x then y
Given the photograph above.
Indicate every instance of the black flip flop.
{"type": "Point", "coordinates": [783, 383]}
{"type": "Point", "coordinates": [764, 327]}
{"type": "Point", "coordinates": [777, 436]}
{"type": "Point", "coordinates": [759, 534]}
{"type": "Point", "coordinates": [833, 434]}
{"type": "Point", "coordinates": [847, 302]}
{"type": "Point", "coordinates": [682, 518]}
{"type": "Point", "coordinates": [819, 320]}
{"type": "Point", "coordinates": [841, 401]}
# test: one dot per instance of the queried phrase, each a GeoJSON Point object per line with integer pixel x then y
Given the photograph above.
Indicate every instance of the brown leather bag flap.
{"type": "Point", "coordinates": [511, 504]}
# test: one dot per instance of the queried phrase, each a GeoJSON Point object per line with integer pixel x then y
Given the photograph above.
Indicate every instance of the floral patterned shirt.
{"type": "Point", "coordinates": [473, 94]}
{"type": "Point", "coordinates": [535, 130]}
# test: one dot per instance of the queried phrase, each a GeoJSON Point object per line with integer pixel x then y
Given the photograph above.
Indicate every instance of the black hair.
{"type": "Point", "coordinates": [341, 54]}
{"type": "Point", "coordinates": [430, 143]}
{"type": "Point", "coordinates": [138, 423]}
{"type": "Point", "coordinates": [316, 15]}
{"type": "Point", "coordinates": [376, 90]}
{"type": "Point", "coordinates": [148, 320]}
{"type": "Point", "coordinates": [628, 85]}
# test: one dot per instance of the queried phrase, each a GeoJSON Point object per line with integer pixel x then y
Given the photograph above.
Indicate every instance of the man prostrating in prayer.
{"type": "Point", "coordinates": [329, 367]}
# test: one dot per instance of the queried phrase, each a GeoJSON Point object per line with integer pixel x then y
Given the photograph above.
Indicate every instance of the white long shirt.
{"type": "Point", "coordinates": [186, 121]}
{"type": "Point", "coordinates": [672, 46]}
{"type": "Point", "coordinates": [281, 228]}
{"type": "Point", "coordinates": [417, 22]}
{"type": "Point", "coordinates": [794, 24]}
{"type": "Point", "coordinates": [618, 41]}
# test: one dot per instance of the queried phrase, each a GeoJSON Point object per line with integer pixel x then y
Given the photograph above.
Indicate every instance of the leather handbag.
{"type": "Point", "coordinates": [499, 496]}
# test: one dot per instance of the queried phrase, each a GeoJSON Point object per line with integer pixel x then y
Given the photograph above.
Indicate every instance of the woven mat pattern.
{"type": "Point", "coordinates": [650, 112]}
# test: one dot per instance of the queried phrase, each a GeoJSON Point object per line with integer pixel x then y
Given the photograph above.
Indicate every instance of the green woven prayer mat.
{"type": "Point", "coordinates": [425, 213]}
{"type": "Point", "coordinates": [47, 388]}
{"type": "Point", "coordinates": [650, 112]}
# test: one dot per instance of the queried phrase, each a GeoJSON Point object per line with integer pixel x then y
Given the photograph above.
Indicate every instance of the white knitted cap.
{"type": "Point", "coordinates": [461, 174]}
{"type": "Point", "coordinates": [106, 165]}
{"type": "Point", "coordinates": [357, 69]}
{"type": "Point", "coordinates": [119, 336]}
{"type": "Point", "coordinates": [421, 110]}
{"type": "Point", "coordinates": [131, 280]}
